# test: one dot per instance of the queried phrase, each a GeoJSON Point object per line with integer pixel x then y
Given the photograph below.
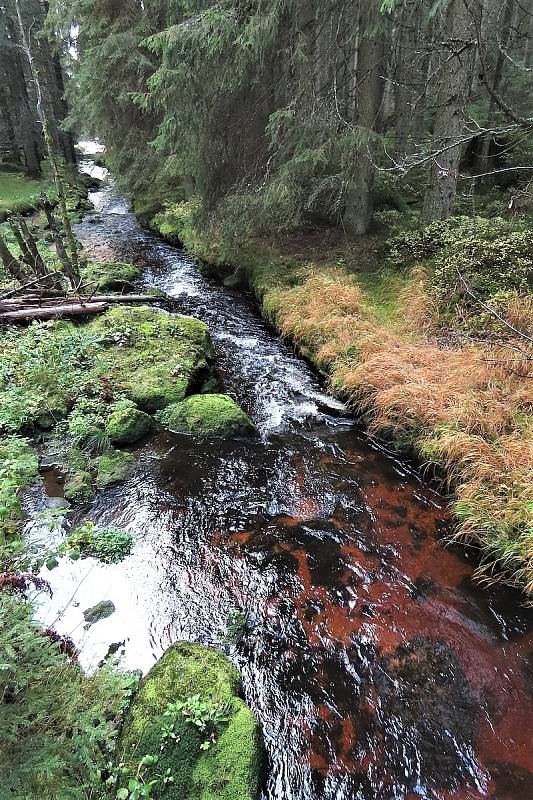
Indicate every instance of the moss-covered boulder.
{"type": "Point", "coordinates": [207, 415]}
{"type": "Point", "coordinates": [229, 768]}
{"type": "Point", "coordinates": [125, 424]}
{"type": "Point", "coordinates": [112, 467]}
{"type": "Point", "coordinates": [101, 275]}
{"type": "Point", "coordinates": [155, 358]}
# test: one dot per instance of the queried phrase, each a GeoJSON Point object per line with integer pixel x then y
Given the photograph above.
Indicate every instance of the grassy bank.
{"type": "Point", "coordinates": [388, 320]}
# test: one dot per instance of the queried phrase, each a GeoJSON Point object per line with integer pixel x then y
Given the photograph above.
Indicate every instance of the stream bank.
{"type": "Point", "coordinates": [423, 367]}
{"type": "Point", "coordinates": [375, 666]}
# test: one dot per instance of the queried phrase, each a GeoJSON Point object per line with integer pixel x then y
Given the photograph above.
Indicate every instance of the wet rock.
{"type": "Point", "coordinates": [229, 768]}
{"type": "Point", "coordinates": [57, 502]}
{"type": "Point", "coordinates": [207, 415]}
{"type": "Point", "coordinates": [156, 358]}
{"type": "Point", "coordinates": [101, 610]}
{"type": "Point", "coordinates": [112, 467]}
{"type": "Point", "coordinates": [115, 276]}
{"type": "Point", "coordinates": [125, 424]}
{"type": "Point", "coordinates": [79, 486]}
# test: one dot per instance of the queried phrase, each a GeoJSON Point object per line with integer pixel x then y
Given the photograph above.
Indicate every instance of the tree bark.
{"type": "Point", "coordinates": [53, 312]}
{"type": "Point", "coordinates": [449, 128]}
{"type": "Point", "coordinates": [13, 266]}
{"type": "Point", "coordinates": [370, 65]}
{"type": "Point", "coordinates": [503, 30]}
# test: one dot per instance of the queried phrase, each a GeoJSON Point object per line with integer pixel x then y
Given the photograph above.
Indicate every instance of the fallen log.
{"type": "Point", "coordinates": [128, 298]}
{"type": "Point", "coordinates": [53, 312]}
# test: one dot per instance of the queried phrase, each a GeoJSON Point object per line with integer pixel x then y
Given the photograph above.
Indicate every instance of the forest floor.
{"type": "Point", "coordinates": [460, 401]}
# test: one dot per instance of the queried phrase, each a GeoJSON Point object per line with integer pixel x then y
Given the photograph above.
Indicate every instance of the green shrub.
{"type": "Point", "coordinates": [108, 544]}
{"type": "Point", "coordinates": [18, 467]}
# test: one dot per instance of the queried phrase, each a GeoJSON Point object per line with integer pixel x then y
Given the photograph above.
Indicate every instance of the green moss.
{"type": "Point", "coordinates": [125, 424]}
{"type": "Point", "coordinates": [154, 357]}
{"type": "Point", "coordinates": [229, 770]}
{"type": "Point", "coordinates": [112, 468]}
{"type": "Point", "coordinates": [109, 275]}
{"type": "Point", "coordinates": [207, 415]}
{"type": "Point", "coordinates": [79, 486]}
{"type": "Point", "coordinates": [100, 611]}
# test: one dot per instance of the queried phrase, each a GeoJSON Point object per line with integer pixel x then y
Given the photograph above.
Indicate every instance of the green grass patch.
{"type": "Point", "coordinates": [18, 192]}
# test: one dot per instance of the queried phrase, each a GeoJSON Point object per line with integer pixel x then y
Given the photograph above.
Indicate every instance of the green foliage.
{"type": "Point", "coordinates": [491, 257]}
{"type": "Point", "coordinates": [18, 192]}
{"type": "Point", "coordinates": [58, 728]}
{"type": "Point", "coordinates": [18, 467]}
{"type": "Point", "coordinates": [108, 544]}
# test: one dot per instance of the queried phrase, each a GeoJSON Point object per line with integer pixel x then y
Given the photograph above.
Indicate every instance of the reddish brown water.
{"type": "Point", "coordinates": [377, 669]}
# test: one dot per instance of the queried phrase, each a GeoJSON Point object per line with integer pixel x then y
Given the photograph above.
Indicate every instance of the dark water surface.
{"type": "Point", "coordinates": [377, 669]}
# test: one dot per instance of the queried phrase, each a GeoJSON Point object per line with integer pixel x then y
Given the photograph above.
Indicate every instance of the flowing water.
{"type": "Point", "coordinates": [375, 666]}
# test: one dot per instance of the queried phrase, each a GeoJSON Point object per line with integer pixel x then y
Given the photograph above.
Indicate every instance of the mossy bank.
{"type": "Point", "coordinates": [87, 391]}
{"type": "Point", "coordinates": [398, 324]}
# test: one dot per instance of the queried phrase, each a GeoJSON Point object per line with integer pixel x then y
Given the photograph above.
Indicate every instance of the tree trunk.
{"type": "Point", "coordinates": [54, 312]}
{"type": "Point", "coordinates": [456, 80]}
{"type": "Point", "coordinates": [370, 65]}
{"type": "Point", "coordinates": [503, 30]}
{"type": "Point", "coordinates": [71, 248]}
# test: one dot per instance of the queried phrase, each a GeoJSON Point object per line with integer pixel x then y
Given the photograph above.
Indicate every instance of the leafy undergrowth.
{"type": "Point", "coordinates": [58, 727]}
{"type": "Point", "coordinates": [409, 345]}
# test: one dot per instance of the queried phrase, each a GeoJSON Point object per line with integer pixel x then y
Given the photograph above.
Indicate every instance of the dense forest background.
{"type": "Point", "coordinates": [282, 113]}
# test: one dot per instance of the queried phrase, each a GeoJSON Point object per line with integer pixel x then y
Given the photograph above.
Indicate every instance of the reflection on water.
{"type": "Point", "coordinates": [375, 666]}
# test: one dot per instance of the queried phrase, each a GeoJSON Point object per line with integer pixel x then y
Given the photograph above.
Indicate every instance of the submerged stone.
{"type": "Point", "coordinates": [125, 424]}
{"type": "Point", "coordinates": [207, 415]}
{"type": "Point", "coordinates": [100, 611]}
{"type": "Point", "coordinates": [229, 768]}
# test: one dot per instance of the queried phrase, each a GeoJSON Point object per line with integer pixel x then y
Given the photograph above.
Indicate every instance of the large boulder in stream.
{"type": "Point", "coordinates": [155, 358]}
{"type": "Point", "coordinates": [219, 762]}
{"type": "Point", "coordinates": [207, 415]}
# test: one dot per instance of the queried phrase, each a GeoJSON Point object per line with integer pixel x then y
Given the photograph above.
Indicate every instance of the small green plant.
{"type": "Point", "coordinates": [234, 627]}
{"type": "Point", "coordinates": [206, 715]}
{"type": "Point", "coordinates": [108, 544]}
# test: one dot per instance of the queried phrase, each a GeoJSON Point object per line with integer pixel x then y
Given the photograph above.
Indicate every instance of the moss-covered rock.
{"type": "Point", "coordinates": [112, 467]}
{"type": "Point", "coordinates": [229, 769]}
{"type": "Point", "coordinates": [155, 358]}
{"type": "Point", "coordinates": [109, 275]}
{"type": "Point", "coordinates": [79, 486]}
{"type": "Point", "coordinates": [125, 424]}
{"type": "Point", "coordinates": [207, 415]}
{"type": "Point", "coordinates": [100, 611]}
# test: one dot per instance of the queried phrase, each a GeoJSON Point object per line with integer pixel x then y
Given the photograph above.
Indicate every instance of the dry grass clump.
{"type": "Point", "coordinates": [326, 315]}
{"type": "Point", "coordinates": [467, 409]}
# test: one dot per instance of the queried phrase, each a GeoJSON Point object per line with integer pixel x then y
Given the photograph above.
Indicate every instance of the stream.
{"type": "Point", "coordinates": [377, 668]}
